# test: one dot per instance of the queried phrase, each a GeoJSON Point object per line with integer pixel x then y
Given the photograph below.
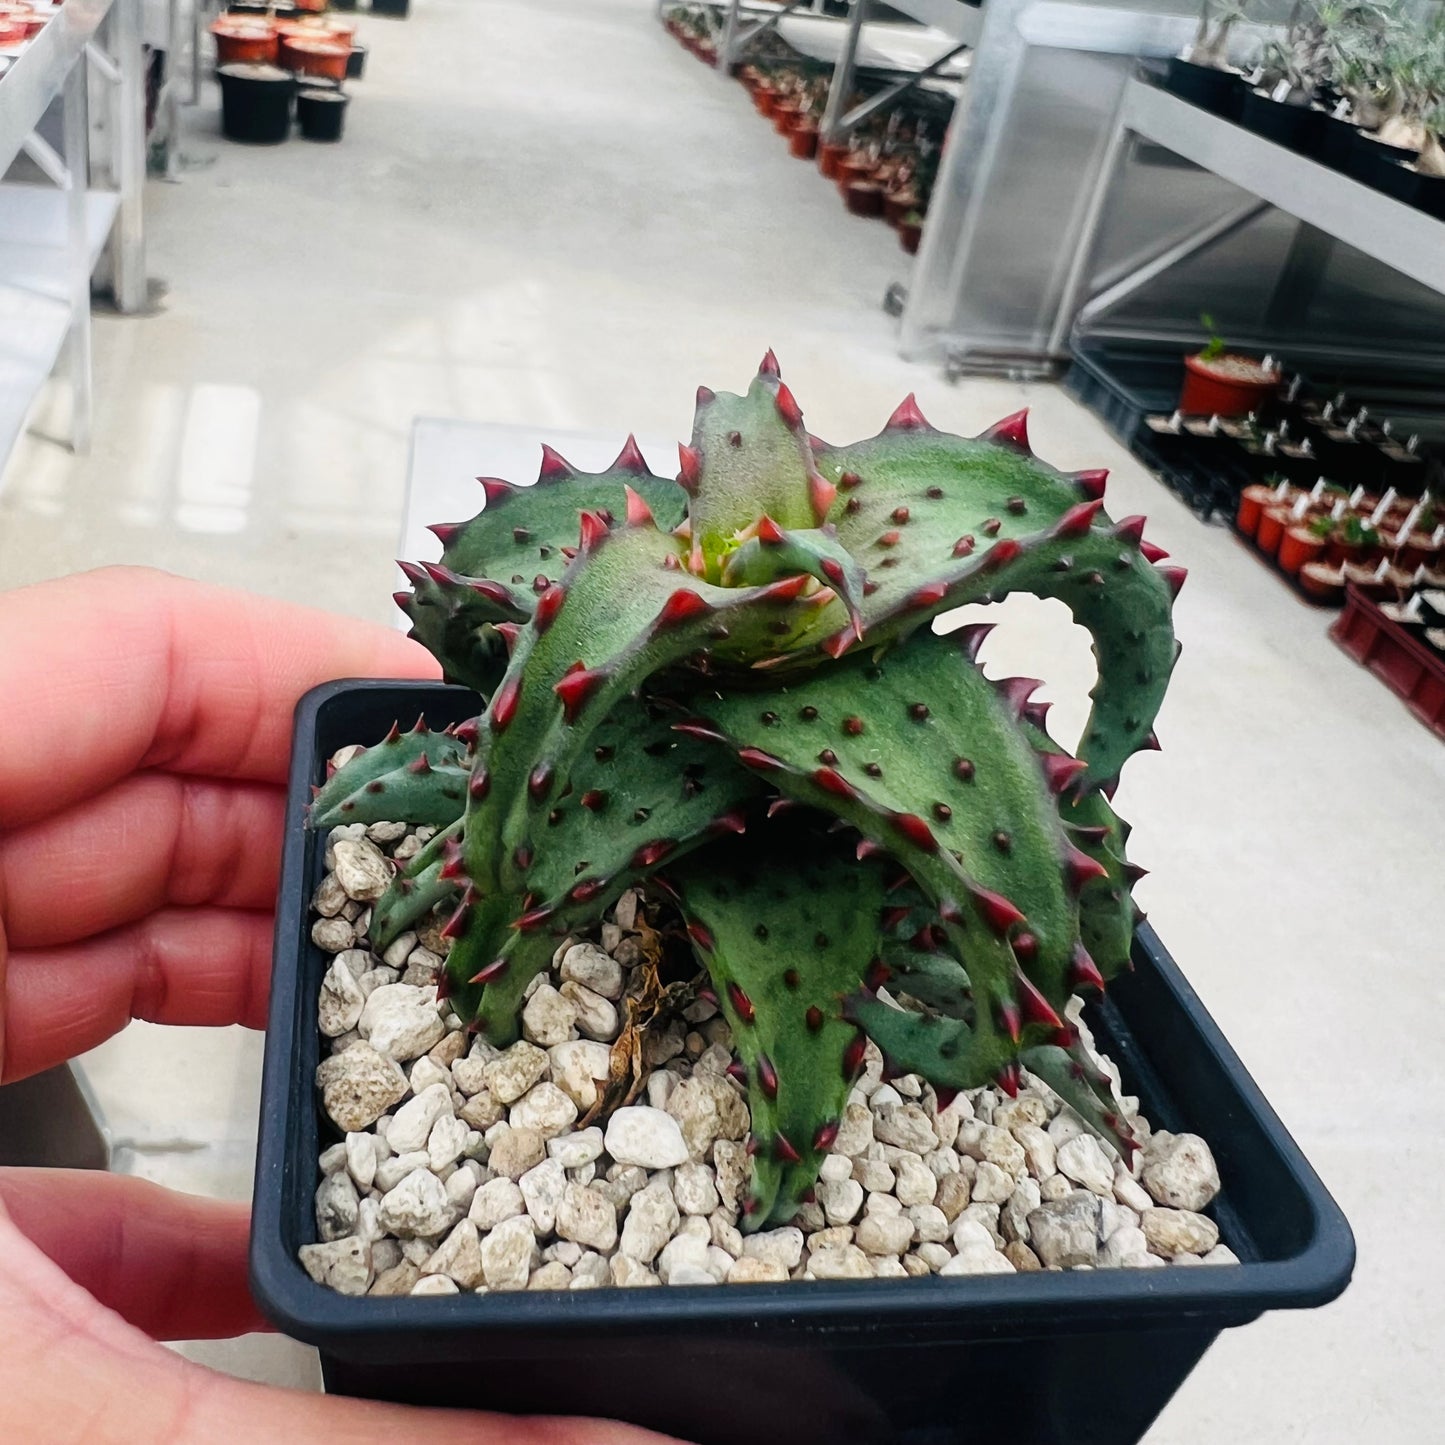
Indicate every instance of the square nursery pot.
{"type": "Point", "coordinates": [1077, 1358]}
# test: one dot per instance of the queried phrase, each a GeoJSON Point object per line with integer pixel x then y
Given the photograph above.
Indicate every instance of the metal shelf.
{"type": "Point", "coordinates": [52, 237]}
{"type": "Point", "coordinates": [37, 75]}
{"type": "Point", "coordinates": [1407, 240]}
{"type": "Point", "coordinates": [35, 283]}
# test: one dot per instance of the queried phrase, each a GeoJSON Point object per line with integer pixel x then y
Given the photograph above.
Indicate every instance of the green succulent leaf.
{"type": "Point", "coordinates": [418, 777]}
{"type": "Point", "coordinates": [787, 929]}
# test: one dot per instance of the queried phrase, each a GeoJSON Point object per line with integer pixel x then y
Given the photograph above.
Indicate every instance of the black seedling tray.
{"type": "Point", "coordinates": [1077, 1358]}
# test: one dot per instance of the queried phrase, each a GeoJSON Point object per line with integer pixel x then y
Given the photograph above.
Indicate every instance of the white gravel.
{"type": "Point", "coordinates": [458, 1166]}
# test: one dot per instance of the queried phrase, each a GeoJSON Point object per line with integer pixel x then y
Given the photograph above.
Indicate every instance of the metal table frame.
{"type": "Point", "coordinates": [1332, 207]}
{"type": "Point", "coordinates": [956, 19]}
{"type": "Point", "coordinates": [46, 280]}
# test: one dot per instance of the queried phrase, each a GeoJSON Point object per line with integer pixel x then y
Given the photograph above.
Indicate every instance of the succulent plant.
{"type": "Point", "coordinates": [725, 687]}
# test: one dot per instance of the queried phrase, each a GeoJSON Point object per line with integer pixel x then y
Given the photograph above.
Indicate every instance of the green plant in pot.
{"type": "Point", "coordinates": [725, 688]}
{"type": "Point", "coordinates": [1220, 382]}
{"type": "Point", "coordinates": [1202, 72]}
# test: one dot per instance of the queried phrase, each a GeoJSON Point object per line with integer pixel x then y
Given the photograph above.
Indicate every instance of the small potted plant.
{"type": "Point", "coordinates": [1202, 73]}
{"type": "Point", "coordinates": [1292, 72]}
{"type": "Point", "coordinates": [1218, 382]}
{"type": "Point", "coordinates": [707, 718]}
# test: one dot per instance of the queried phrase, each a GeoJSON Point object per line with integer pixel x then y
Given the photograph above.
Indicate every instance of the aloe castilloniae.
{"type": "Point", "coordinates": [745, 649]}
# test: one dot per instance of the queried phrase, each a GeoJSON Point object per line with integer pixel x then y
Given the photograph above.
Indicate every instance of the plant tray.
{"type": "Point", "coordinates": [1046, 1358]}
{"type": "Point", "coordinates": [1405, 664]}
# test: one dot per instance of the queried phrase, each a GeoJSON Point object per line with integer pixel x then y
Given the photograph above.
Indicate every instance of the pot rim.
{"type": "Point", "coordinates": [1308, 1269]}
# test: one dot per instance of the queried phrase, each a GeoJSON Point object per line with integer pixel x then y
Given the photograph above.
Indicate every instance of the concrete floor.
{"type": "Point", "coordinates": [570, 228]}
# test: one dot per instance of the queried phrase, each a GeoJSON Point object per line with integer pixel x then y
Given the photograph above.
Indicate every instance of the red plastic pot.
{"type": "Point", "coordinates": [1208, 393]}
{"type": "Point", "coordinates": [785, 116]}
{"type": "Point", "coordinates": [898, 204]}
{"type": "Point", "coordinates": [1271, 529]}
{"type": "Point", "coordinates": [320, 56]}
{"type": "Point", "coordinates": [1252, 502]}
{"type": "Point", "coordinates": [803, 141]}
{"type": "Point", "coordinates": [238, 44]}
{"type": "Point", "coordinates": [1418, 550]}
{"type": "Point", "coordinates": [863, 198]}
{"type": "Point", "coordinates": [830, 157]}
{"type": "Point", "coordinates": [12, 32]}
{"type": "Point", "coordinates": [766, 101]}
{"type": "Point", "coordinates": [1297, 546]}
{"type": "Point", "coordinates": [1322, 582]}
{"type": "Point", "coordinates": [854, 168]}
{"type": "Point", "coordinates": [910, 233]}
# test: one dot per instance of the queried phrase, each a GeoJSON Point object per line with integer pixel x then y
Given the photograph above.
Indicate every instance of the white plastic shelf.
{"type": "Point", "coordinates": [35, 309]}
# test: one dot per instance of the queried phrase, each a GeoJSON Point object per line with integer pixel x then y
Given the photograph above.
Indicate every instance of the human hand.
{"type": "Point", "coordinates": [146, 725]}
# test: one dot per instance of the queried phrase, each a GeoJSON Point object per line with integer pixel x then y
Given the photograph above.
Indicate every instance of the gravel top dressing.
{"type": "Point", "coordinates": [609, 1146]}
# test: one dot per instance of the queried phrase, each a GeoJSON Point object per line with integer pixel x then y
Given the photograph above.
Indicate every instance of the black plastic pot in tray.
{"type": "Point", "coordinates": [1398, 179]}
{"type": "Point", "coordinates": [1295, 126]}
{"type": "Point", "coordinates": [1045, 1358]}
{"type": "Point", "coordinates": [1369, 157]}
{"type": "Point", "coordinates": [1219, 91]}
{"type": "Point", "coordinates": [1335, 142]}
{"type": "Point", "coordinates": [1430, 194]}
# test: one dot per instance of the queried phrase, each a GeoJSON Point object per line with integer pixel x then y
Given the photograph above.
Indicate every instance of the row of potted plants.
{"type": "Point", "coordinates": [20, 22]}
{"type": "Point", "coordinates": [884, 168]}
{"type": "Point", "coordinates": [272, 68]}
{"type": "Point", "coordinates": [1326, 538]}
{"type": "Point", "coordinates": [1356, 84]}
{"type": "Point", "coordinates": [1403, 643]}
{"type": "Point", "coordinates": [1272, 426]}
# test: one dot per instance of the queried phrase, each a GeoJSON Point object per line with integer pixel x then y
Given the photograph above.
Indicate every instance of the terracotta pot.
{"type": "Point", "coordinates": [1298, 546]}
{"type": "Point", "coordinates": [897, 204]}
{"type": "Point", "coordinates": [1252, 502]}
{"type": "Point", "coordinates": [319, 56]}
{"type": "Point", "coordinates": [1208, 393]}
{"type": "Point", "coordinates": [863, 198]}
{"type": "Point", "coordinates": [244, 44]}
{"type": "Point", "coordinates": [910, 233]}
{"type": "Point", "coordinates": [785, 116]}
{"type": "Point", "coordinates": [854, 168]}
{"type": "Point", "coordinates": [1322, 582]}
{"type": "Point", "coordinates": [830, 156]}
{"type": "Point", "coordinates": [1271, 529]}
{"type": "Point", "coordinates": [1417, 550]}
{"type": "Point", "coordinates": [803, 141]}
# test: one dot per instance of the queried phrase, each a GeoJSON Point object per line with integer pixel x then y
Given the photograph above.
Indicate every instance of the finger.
{"type": "Point", "coordinates": [179, 966]}
{"type": "Point", "coordinates": [71, 1370]}
{"type": "Point", "coordinates": [112, 671]}
{"type": "Point", "coordinates": [151, 841]}
{"type": "Point", "coordinates": [173, 1265]}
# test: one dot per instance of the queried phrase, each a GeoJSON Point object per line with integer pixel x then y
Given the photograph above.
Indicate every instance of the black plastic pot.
{"type": "Point", "coordinates": [1398, 179]}
{"type": "Point", "coordinates": [1335, 142]}
{"type": "Point", "coordinates": [1430, 194]}
{"type": "Point", "coordinates": [1219, 91]}
{"type": "Point", "coordinates": [1369, 157]}
{"type": "Point", "coordinates": [1076, 1358]}
{"type": "Point", "coordinates": [398, 9]}
{"type": "Point", "coordinates": [356, 61]}
{"type": "Point", "coordinates": [256, 103]}
{"type": "Point", "coordinates": [1295, 126]}
{"type": "Point", "coordinates": [320, 113]}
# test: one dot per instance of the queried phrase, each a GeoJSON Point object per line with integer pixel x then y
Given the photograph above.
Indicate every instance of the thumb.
{"type": "Point", "coordinates": [71, 1369]}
